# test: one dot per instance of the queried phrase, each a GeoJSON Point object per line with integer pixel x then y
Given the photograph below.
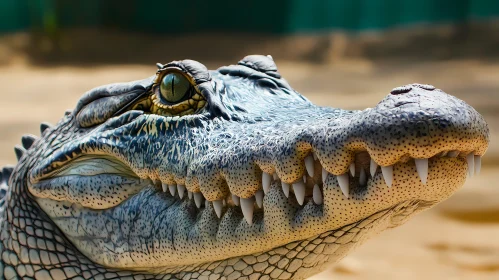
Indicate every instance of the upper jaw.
{"type": "Point", "coordinates": [409, 123]}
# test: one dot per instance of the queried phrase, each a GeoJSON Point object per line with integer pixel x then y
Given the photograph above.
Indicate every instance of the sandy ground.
{"type": "Point", "coordinates": [455, 240]}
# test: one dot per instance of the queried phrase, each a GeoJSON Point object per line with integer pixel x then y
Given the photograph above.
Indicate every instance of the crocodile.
{"type": "Point", "coordinates": [225, 174]}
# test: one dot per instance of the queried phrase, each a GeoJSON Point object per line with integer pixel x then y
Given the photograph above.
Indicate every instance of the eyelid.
{"type": "Point", "coordinates": [161, 73]}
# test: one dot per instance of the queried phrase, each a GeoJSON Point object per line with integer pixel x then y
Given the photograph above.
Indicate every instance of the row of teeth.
{"type": "Point", "coordinates": [299, 187]}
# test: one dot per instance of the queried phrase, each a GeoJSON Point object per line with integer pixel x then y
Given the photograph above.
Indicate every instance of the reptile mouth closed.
{"type": "Point", "coordinates": [309, 189]}
{"type": "Point", "coordinates": [300, 179]}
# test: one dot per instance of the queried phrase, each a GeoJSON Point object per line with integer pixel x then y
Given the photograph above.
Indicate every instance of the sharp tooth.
{"type": "Point", "coordinates": [453, 154]}
{"type": "Point", "coordinates": [285, 189]}
{"type": "Point", "coordinates": [309, 165]}
{"type": "Point", "coordinates": [478, 164]}
{"type": "Point", "coordinates": [304, 178]}
{"type": "Point", "coordinates": [352, 169]}
{"type": "Point", "coordinates": [164, 187]}
{"type": "Point", "coordinates": [181, 191]}
{"type": "Point", "coordinates": [172, 189]}
{"type": "Point", "coordinates": [224, 202]}
{"type": "Point", "coordinates": [206, 204]}
{"type": "Point", "coordinates": [317, 195]}
{"type": "Point", "coordinates": [422, 168]}
{"type": "Point", "coordinates": [189, 194]}
{"type": "Point", "coordinates": [235, 199]}
{"type": "Point", "coordinates": [362, 177]}
{"type": "Point", "coordinates": [343, 181]}
{"type": "Point", "coordinates": [373, 167]}
{"type": "Point", "coordinates": [443, 154]}
{"type": "Point", "coordinates": [266, 180]}
{"type": "Point", "coordinates": [217, 205]}
{"type": "Point", "coordinates": [324, 175]}
{"type": "Point", "coordinates": [247, 208]}
{"type": "Point", "coordinates": [198, 199]}
{"type": "Point", "coordinates": [470, 158]}
{"type": "Point", "coordinates": [299, 189]}
{"type": "Point", "coordinates": [314, 155]}
{"type": "Point", "coordinates": [387, 174]}
{"type": "Point", "coordinates": [275, 176]}
{"type": "Point", "coordinates": [259, 198]}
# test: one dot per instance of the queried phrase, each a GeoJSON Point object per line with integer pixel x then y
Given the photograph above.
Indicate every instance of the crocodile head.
{"type": "Point", "coordinates": [194, 173]}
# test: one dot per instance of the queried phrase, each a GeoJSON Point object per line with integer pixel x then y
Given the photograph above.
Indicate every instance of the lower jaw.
{"type": "Point", "coordinates": [281, 223]}
{"type": "Point", "coordinates": [304, 258]}
{"type": "Point", "coordinates": [446, 175]}
{"type": "Point", "coordinates": [326, 249]}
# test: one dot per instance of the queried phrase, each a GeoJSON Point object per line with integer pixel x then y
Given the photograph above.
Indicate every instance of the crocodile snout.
{"type": "Point", "coordinates": [420, 121]}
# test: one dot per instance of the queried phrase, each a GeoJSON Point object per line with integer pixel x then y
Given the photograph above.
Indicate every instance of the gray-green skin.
{"type": "Point", "coordinates": [85, 200]}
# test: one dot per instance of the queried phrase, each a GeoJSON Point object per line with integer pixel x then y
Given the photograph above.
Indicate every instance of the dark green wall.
{"type": "Point", "coordinates": [272, 16]}
{"type": "Point", "coordinates": [11, 15]}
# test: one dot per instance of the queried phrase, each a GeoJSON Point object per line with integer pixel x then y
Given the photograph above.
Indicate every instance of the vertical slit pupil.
{"type": "Point", "coordinates": [173, 86]}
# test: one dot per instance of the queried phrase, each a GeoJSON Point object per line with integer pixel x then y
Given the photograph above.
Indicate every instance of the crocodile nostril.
{"type": "Point", "coordinates": [401, 90]}
{"type": "Point", "coordinates": [407, 88]}
{"type": "Point", "coordinates": [424, 86]}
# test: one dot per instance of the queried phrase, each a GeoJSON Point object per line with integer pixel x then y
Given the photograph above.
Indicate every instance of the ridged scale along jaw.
{"type": "Point", "coordinates": [252, 166]}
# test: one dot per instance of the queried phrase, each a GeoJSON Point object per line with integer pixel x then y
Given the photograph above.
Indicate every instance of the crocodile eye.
{"type": "Point", "coordinates": [174, 87]}
{"type": "Point", "coordinates": [173, 93]}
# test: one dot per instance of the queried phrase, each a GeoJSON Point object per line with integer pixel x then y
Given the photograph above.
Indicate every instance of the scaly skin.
{"type": "Point", "coordinates": [97, 195]}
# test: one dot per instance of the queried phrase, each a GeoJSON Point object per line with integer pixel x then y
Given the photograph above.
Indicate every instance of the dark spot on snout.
{"type": "Point", "coordinates": [401, 90]}
{"type": "Point", "coordinates": [424, 86]}
{"type": "Point", "coordinates": [407, 88]}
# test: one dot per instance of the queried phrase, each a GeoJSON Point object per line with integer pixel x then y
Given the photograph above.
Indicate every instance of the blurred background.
{"type": "Point", "coordinates": [346, 54]}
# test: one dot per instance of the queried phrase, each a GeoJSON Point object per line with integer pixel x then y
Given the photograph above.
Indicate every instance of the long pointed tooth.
{"type": "Point", "coordinates": [275, 176]}
{"type": "Point", "coordinates": [443, 154]}
{"type": "Point", "coordinates": [266, 180]}
{"type": "Point", "coordinates": [235, 199]}
{"type": "Point", "coordinates": [314, 155]}
{"type": "Point", "coordinates": [317, 195]}
{"type": "Point", "coordinates": [453, 154]}
{"type": "Point", "coordinates": [164, 187]}
{"type": "Point", "coordinates": [344, 182]}
{"type": "Point", "coordinates": [373, 167]}
{"type": "Point", "coordinates": [224, 202]}
{"type": "Point", "coordinates": [217, 205]}
{"type": "Point", "coordinates": [259, 198]}
{"type": "Point", "coordinates": [304, 178]}
{"type": "Point", "coordinates": [309, 165]}
{"type": "Point", "coordinates": [352, 169]}
{"type": "Point", "coordinates": [206, 203]}
{"type": "Point", "coordinates": [172, 189]}
{"type": "Point", "coordinates": [324, 175]}
{"type": "Point", "coordinates": [387, 174]}
{"type": "Point", "coordinates": [198, 199]}
{"type": "Point", "coordinates": [189, 194]}
{"type": "Point", "coordinates": [470, 158]}
{"type": "Point", "coordinates": [478, 164]}
{"type": "Point", "coordinates": [181, 191]}
{"type": "Point", "coordinates": [247, 208]}
{"type": "Point", "coordinates": [422, 168]}
{"type": "Point", "coordinates": [362, 177]}
{"type": "Point", "coordinates": [299, 189]}
{"type": "Point", "coordinates": [285, 189]}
